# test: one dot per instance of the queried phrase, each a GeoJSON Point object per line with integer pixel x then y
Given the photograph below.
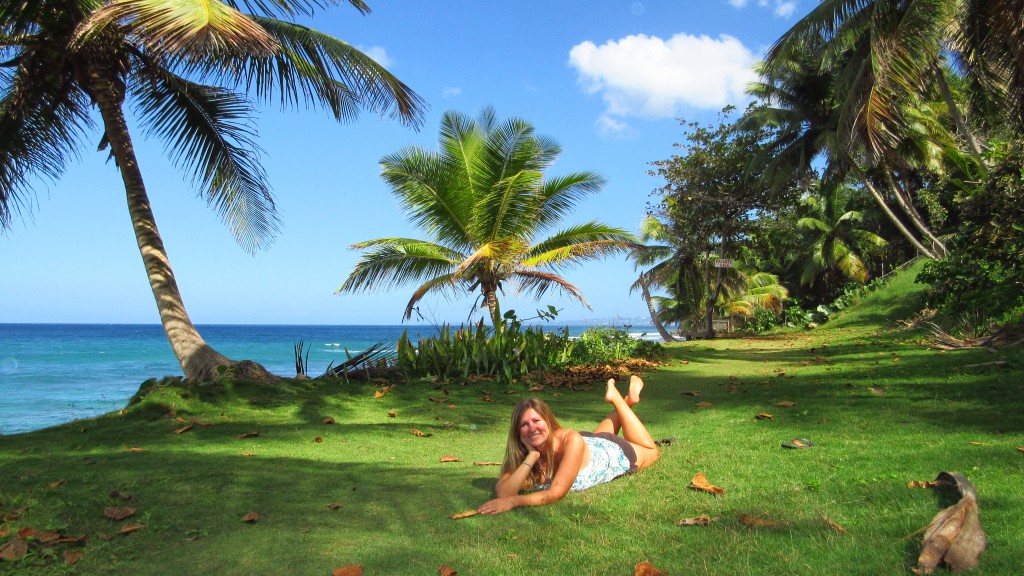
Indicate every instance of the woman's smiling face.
{"type": "Point", "coordinates": [533, 430]}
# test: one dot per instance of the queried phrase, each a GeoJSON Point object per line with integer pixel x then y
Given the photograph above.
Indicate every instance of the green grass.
{"type": "Point", "coordinates": [191, 490]}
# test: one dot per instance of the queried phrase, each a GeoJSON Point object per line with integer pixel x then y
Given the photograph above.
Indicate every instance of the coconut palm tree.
{"type": "Point", "coordinates": [839, 246]}
{"type": "Point", "coordinates": [658, 259]}
{"type": "Point", "coordinates": [185, 65]}
{"type": "Point", "coordinates": [483, 198]}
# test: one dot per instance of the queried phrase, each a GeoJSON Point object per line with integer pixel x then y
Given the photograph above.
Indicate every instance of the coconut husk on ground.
{"type": "Point", "coordinates": [954, 537]}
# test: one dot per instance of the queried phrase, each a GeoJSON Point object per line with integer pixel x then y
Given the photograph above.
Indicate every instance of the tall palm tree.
{"type": "Point", "coordinates": [483, 198]}
{"type": "Point", "coordinates": [64, 58]}
{"type": "Point", "coordinates": [839, 246]}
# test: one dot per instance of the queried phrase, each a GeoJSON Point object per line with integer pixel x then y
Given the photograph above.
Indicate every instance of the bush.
{"type": "Point", "coordinates": [762, 320]}
{"type": "Point", "coordinates": [601, 345]}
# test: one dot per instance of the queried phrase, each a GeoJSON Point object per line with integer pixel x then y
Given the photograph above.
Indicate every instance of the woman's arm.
{"type": "Point", "coordinates": [511, 483]}
{"type": "Point", "coordinates": [572, 458]}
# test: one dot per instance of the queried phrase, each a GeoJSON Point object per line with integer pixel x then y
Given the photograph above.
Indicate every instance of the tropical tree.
{"type": "Point", "coordinates": [839, 245]}
{"type": "Point", "coordinates": [185, 65]}
{"type": "Point", "coordinates": [658, 261]}
{"type": "Point", "coordinates": [484, 200]}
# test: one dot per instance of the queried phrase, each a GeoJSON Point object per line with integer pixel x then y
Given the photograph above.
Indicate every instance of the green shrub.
{"type": "Point", "coordinates": [762, 320]}
{"type": "Point", "coordinates": [602, 344]}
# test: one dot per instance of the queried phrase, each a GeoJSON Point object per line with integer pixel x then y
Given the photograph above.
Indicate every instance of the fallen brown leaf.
{"type": "Point", "coordinates": [486, 463]}
{"type": "Point", "coordinates": [116, 513]}
{"type": "Point", "coordinates": [748, 520]}
{"type": "Point", "coordinates": [461, 515]}
{"type": "Point", "coordinates": [318, 440]}
{"type": "Point", "coordinates": [834, 525]}
{"type": "Point", "coordinates": [25, 533]}
{"type": "Point", "coordinates": [446, 571]}
{"type": "Point", "coordinates": [350, 570]}
{"type": "Point", "coordinates": [923, 483]}
{"type": "Point", "coordinates": [420, 434]}
{"type": "Point", "coordinates": [1020, 448]}
{"type": "Point", "coordinates": [334, 506]}
{"type": "Point", "coordinates": [47, 536]}
{"type": "Point", "coordinates": [14, 550]}
{"type": "Point", "coordinates": [249, 435]}
{"type": "Point", "coordinates": [977, 444]}
{"type": "Point", "coordinates": [129, 528]}
{"type": "Point", "coordinates": [450, 459]}
{"type": "Point", "coordinates": [56, 484]}
{"type": "Point", "coordinates": [329, 420]}
{"type": "Point", "coordinates": [704, 404]}
{"type": "Point", "coordinates": [392, 414]}
{"type": "Point", "coordinates": [700, 482]}
{"type": "Point", "coordinates": [702, 520]}
{"type": "Point", "coordinates": [452, 406]}
{"type": "Point", "coordinates": [876, 391]}
{"type": "Point", "coordinates": [135, 449]}
{"type": "Point", "coordinates": [786, 403]}
{"type": "Point", "coordinates": [251, 517]}
{"type": "Point", "coordinates": [183, 430]}
{"type": "Point", "coordinates": [70, 557]}
{"type": "Point", "coordinates": [692, 393]}
{"type": "Point", "coordinates": [379, 394]}
{"type": "Point", "coordinates": [645, 568]}
{"type": "Point", "coordinates": [247, 453]}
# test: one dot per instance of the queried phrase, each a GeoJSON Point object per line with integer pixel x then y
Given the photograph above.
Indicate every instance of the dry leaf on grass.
{"type": "Point", "coordinates": [704, 404]}
{"type": "Point", "coordinates": [183, 430]}
{"type": "Point", "coordinates": [461, 515]}
{"type": "Point", "coordinates": [379, 394]}
{"type": "Point", "coordinates": [764, 416]}
{"type": "Point", "coordinates": [70, 557]}
{"type": "Point", "coordinates": [249, 435]}
{"type": "Point", "coordinates": [392, 414]}
{"type": "Point", "coordinates": [758, 522]}
{"type": "Point", "coordinates": [785, 403]}
{"type": "Point", "coordinates": [1020, 448]}
{"type": "Point", "coordinates": [334, 506]}
{"type": "Point", "coordinates": [129, 528]}
{"type": "Point", "coordinates": [251, 517]}
{"type": "Point", "coordinates": [876, 391]}
{"type": "Point", "coordinates": [977, 444]}
{"type": "Point", "coordinates": [419, 434]}
{"type": "Point", "coordinates": [645, 568]}
{"type": "Point", "coordinates": [116, 513]}
{"type": "Point", "coordinates": [329, 420]}
{"type": "Point", "coordinates": [318, 440]}
{"type": "Point", "coordinates": [692, 393]}
{"type": "Point", "coordinates": [834, 525]}
{"type": "Point", "coordinates": [486, 463]}
{"type": "Point", "coordinates": [700, 482]}
{"type": "Point", "coordinates": [954, 537]}
{"type": "Point", "coordinates": [135, 449]}
{"type": "Point", "coordinates": [56, 484]}
{"type": "Point", "coordinates": [702, 520]}
{"type": "Point", "coordinates": [450, 459]}
{"type": "Point", "coordinates": [349, 570]}
{"type": "Point", "coordinates": [923, 483]}
{"type": "Point", "coordinates": [446, 571]}
{"type": "Point", "coordinates": [247, 453]}
{"type": "Point", "coordinates": [14, 550]}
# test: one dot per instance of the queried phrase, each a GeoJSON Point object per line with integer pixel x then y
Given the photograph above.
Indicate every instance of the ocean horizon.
{"type": "Point", "coordinates": [54, 373]}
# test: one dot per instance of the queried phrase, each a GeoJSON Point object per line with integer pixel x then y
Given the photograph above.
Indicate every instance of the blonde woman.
{"type": "Point", "coordinates": [543, 461]}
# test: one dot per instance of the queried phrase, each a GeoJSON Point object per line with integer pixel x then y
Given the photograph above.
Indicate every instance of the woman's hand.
{"type": "Point", "coordinates": [498, 505]}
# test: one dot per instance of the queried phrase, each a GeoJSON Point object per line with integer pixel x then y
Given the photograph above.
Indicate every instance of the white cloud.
{"type": "Point", "coordinates": [784, 9]}
{"type": "Point", "coordinates": [378, 54]}
{"type": "Point", "coordinates": [781, 8]}
{"type": "Point", "coordinates": [451, 92]}
{"type": "Point", "coordinates": [646, 76]}
{"type": "Point", "coordinates": [608, 126]}
{"type": "Point", "coordinates": [737, 3]}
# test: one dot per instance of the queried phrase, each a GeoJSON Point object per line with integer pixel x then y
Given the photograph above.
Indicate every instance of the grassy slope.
{"type": "Point", "coordinates": [192, 489]}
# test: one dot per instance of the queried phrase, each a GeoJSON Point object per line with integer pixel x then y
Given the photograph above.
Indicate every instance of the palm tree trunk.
{"type": "Point", "coordinates": [892, 215]}
{"type": "Point", "coordinates": [954, 111]}
{"type": "Point", "coordinates": [645, 290]}
{"type": "Point", "coordinates": [198, 360]}
{"type": "Point", "coordinates": [902, 198]}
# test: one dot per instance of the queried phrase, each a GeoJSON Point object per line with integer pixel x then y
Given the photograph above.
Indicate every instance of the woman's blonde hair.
{"type": "Point", "coordinates": [515, 451]}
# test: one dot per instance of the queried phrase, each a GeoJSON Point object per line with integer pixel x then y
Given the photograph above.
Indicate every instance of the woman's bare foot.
{"type": "Point", "coordinates": [635, 386]}
{"type": "Point", "coordinates": [612, 392]}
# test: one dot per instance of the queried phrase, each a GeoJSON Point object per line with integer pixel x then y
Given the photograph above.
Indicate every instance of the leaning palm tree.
{"type": "Point", "coordinates": [657, 261]}
{"type": "Point", "coordinates": [483, 198]}
{"type": "Point", "coordinates": [185, 65]}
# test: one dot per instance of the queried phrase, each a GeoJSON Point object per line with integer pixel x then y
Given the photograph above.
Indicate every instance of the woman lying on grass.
{"type": "Point", "coordinates": [547, 461]}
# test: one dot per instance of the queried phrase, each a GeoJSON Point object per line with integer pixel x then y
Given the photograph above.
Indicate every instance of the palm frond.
{"type": "Point", "coordinates": [208, 131]}
{"type": "Point", "coordinates": [391, 262]}
{"type": "Point", "coordinates": [538, 283]}
{"type": "Point", "coordinates": [579, 243]}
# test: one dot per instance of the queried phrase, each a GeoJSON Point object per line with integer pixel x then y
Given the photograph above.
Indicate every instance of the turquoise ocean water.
{"type": "Point", "coordinates": [55, 373]}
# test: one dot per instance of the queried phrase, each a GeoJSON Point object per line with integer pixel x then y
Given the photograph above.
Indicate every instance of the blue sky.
{"type": "Point", "coordinates": [606, 79]}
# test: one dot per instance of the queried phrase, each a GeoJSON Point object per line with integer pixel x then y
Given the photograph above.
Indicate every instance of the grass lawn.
{"type": "Point", "coordinates": [881, 407]}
